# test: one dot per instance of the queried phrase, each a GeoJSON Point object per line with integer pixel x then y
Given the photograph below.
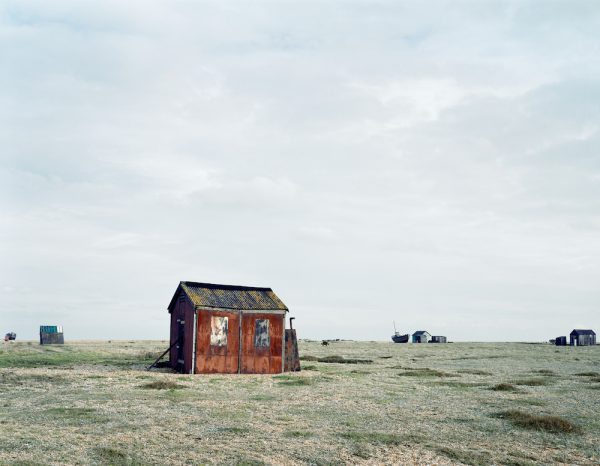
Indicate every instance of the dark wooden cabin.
{"type": "Point", "coordinates": [438, 339]}
{"type": "Point", "coordinates": [560, 341]}
{"type": "Point", "coordinates": [228, 329]}
{"type": "Point", "coordinates": [582, 338]}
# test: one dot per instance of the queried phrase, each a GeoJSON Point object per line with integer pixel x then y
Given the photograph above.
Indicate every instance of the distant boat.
{"type": "Point", "coordinates": [397, 338]}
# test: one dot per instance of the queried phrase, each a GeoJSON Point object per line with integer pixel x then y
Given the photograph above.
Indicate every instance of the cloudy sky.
{"type": "Point", "coordinates": [432, 163]}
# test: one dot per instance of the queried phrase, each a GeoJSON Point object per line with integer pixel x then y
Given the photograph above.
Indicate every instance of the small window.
{"type": "Point", "coordinates": [261, 334]}
{"type": "Point", "coordinates": [218, 331]}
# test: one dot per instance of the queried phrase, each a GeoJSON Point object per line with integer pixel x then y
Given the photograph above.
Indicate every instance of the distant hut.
{"type": "Point", "coordinates": [582, 338]}
{"type": "Point", "coordinates": [10, 336]}
{"type": "Point", "coordinates": [560, 341]}
{"type": "Point", "coordinates": [421, 336]}
{"type": "Point", "coordinates": [438, 339]}
{"type": "Point", "coordinates": [51, 335]}
{"type": "Point", "coordinates": [230, 329]}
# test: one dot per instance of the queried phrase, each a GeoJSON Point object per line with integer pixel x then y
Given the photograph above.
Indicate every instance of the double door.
{"type": "Point", "coordinates": [239, 342]}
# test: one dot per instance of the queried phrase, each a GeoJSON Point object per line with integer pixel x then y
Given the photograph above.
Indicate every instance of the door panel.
{"type": "Point", "coordinates": [262, 336]}
{"type": "Point", "coordinates": [180, 344]}
{"type": "Point", "coordinates": [217, 344]}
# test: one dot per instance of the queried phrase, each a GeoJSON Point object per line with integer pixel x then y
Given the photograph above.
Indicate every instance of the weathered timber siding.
{"type": "Point", "coordinates": [262, 360]}
{"type": "Point", "coordinates": [214, 358]}
{"type": "Point", "coordinates": [292, 358]}
{"type": "Point", "coordinates": [183, 311]}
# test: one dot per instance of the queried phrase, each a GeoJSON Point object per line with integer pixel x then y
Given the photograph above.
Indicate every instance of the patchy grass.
{"type": "Point", "coordinates": [588, 374]}
{"type": "Point", "coordinates": [426, 372]}
{"type": "Point", "coordinates": [297, 434]}
{"type": "Point", "coordinates": [262, 397]}
{"type": "Point", "coordinates": [544, 372]}
{"type": "Point", "coordinates": [554, 424]}
{"type": "Point", "coordinates": [292, 380]}
{"type": "Point", "coordinates": [504, 387]}
{"type": "Point", "coordinates": [471, 457]}
{"type": "Point", "coordinates": [115, 457]}
{"type": "Point", "coordinates": [535, 382]}
{"type": "Point", "coordinates": [461, 385]}
{"type": "Point", "coordinates": [162, 385]}
{"type": "Point", "coordinates": [373, 437]}
{"type": "Point", "coordinates": [474, 372]}
{"type": "Point", "coordinates": [234, 430]}
{"type": "Point", "coordinates": [338, 414]}
{"type": "Point", "coordinates": [342, 360]}
{"type": "Point", "coordinates": [308, 358]}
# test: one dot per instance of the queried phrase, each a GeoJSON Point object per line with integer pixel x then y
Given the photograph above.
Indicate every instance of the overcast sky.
{"type": "Point", "coordinates": [432, 163]}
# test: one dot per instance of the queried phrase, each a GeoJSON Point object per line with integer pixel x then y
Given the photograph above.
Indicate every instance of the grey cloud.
{"type": "Point", "coordinates": [371, 161]}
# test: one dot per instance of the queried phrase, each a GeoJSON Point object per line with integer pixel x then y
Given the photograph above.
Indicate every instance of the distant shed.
{"type": "Point", "coordinates": [229, 329]}
{"type": "Point", "coordinates": [421, 336]}
{"type": "Point", "coordinates": [560, 341]}
{"type": "Point", "coordinates": [438, 339]}
{"type": "Point", "coordinates": [582, 338]}
{"type": "Point", "coordinates": [51, 335]}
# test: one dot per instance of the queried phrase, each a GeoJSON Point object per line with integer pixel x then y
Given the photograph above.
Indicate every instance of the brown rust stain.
{"type": "Point", "coordinates": [262, 359]}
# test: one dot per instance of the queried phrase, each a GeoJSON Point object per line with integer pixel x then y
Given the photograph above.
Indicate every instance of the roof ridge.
{"type": "Point", "coordinates": [224, 287]}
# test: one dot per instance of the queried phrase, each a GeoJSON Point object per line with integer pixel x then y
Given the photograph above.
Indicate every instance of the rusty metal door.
{"type": "Point", "coordinates": [217, 342]}
{"type": "Point", "coordinates": [261, 343]}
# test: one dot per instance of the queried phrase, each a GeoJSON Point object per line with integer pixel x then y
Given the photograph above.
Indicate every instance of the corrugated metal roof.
{"type": "Point", "coordinates": [229, 296]}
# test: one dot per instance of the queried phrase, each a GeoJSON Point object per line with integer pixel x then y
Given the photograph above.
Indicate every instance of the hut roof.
{"type": "Point", "coordinates": [420, 332]}
{"type": "Point", "coordinates": [229, 297]}
{"type": "Point", "coordinates": [583, 332]}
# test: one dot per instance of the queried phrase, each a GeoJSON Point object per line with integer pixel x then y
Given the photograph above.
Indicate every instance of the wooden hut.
{"type": "Point", "coordinates": [51, 335]}
{"type": "Point", "coordinates": [438, 339]}
{"type": "Point", "coordinates": [229, 329]}
{"type": "Point", "coordinates": [421, 336]}
{"type": "Point", "coordinates": [582, 338]}
{"type": "Point", "coordinates": [560, 341]}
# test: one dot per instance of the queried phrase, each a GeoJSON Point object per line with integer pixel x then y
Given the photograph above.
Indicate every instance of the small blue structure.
{"type": "Point", "coordinates": [51, 335]}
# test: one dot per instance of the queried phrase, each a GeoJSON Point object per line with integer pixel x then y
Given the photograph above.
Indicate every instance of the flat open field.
{"type": "Point", "coordinates": [471, 403]}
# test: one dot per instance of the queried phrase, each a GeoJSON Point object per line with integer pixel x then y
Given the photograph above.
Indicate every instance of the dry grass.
{"type": "Point", "coordinates": [553, 424]}
{"type": "Point", "coordinates": [84, 404]}
{"type": "Point", "coordinates": [536, 382]}
{"type": "Point", "coordinates": [426, 372]}
{"type": "Point", "coordinates": [505, 387]}
{"type": "Point", "coordinates": [162, 385]}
